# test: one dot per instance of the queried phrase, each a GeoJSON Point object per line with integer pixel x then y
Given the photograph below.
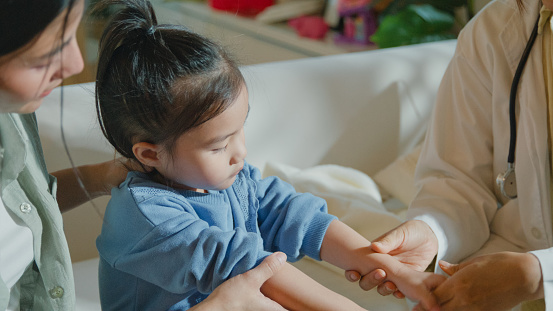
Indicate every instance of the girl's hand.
{"type": "Point", "coordinates": [241, 293]}
{"type": "Point", "coordinates": [497, 281]}
{"type": "Point", "coordinates": [419, 286]}
{"type": "Point", "coordinates": [412, 243]}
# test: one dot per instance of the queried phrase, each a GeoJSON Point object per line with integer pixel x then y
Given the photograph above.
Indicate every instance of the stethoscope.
{"type": "Point", "coordinates": [507, 181]}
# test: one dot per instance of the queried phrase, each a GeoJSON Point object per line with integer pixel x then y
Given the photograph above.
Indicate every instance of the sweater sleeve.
{"type": "Point", "coordinates": [163, 241]}
{"type": "Point", "coordinates": [291, 222]}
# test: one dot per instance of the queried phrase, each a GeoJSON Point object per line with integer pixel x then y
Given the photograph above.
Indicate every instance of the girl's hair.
{"type": "Point", "coordinates": [22, 21]}
{"type": "Point", "coordinates": [155, 82]}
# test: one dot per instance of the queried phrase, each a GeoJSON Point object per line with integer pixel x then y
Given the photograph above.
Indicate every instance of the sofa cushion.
{"type": "Point", "coordinates": [397, 180]}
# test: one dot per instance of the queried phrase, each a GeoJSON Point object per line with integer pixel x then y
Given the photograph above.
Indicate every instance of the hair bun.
{"type": "Point", "coordinates": [151, 32]}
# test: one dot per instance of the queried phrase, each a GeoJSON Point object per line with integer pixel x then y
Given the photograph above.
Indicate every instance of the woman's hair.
{"type": "Point", "coordinates": [22, 21]}
{"type": "Point", "coordinates": [155, 82]}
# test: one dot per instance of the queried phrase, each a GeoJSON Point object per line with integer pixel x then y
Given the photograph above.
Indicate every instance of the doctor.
{"type": "Point", "coordinates": [460, 212]}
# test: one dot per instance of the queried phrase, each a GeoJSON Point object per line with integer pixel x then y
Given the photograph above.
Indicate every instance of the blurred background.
{"type": "Point", "coordinates": [258, 31]}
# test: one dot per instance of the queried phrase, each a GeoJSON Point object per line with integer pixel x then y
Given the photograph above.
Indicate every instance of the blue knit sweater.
{"type": "Point", "coordinates": [167, 249]}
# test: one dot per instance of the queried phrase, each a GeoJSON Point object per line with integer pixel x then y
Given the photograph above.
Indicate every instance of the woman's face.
{"type": "Point", "coordinates": [27, 77]}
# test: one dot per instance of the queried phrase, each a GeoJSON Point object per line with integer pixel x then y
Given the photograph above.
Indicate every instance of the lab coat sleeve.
{"type": "Point", "coordinates": [545, 256]}
{"type": "Point", "coordinates": [454, 175]}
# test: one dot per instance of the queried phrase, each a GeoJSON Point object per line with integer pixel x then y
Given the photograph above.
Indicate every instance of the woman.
{"type": "Point", "coordinates": [37, 52]}
{"type": "Point", "coordinates": [460, 212]}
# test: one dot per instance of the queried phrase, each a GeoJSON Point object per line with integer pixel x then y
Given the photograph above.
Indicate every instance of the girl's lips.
{"type": "Point", "coordinates": [238, 172]}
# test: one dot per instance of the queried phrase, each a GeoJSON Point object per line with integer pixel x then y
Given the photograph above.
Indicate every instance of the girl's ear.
{"type": "Point", "coordinates": [147, 154]}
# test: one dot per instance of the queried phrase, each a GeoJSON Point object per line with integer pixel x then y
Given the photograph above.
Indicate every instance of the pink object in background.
{"type": "Point", "coordinates": [241, 7]}
{"type": "Point", "coordinates": [313, 27]}
{"type": "Point", "coordinates": [359, 22]}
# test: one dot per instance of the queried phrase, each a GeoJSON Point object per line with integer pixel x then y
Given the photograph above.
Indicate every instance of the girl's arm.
{"type": "Point", "coordinates": [242, 292]}
{"type": "Point", "coordinates": [294, 290]}
{"type": "Point", "coordinates": [98, 179]}
{"type": "Point", "coordinates": [347, 249]}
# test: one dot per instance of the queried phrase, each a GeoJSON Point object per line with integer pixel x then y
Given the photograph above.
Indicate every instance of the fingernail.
{"type": "Point", "coordinates": [444, 263]}
{"type": "Point", "coordinates": [379, 276]}
{"type": "Point", "coordinates": [353, 277]}
{"type": "Point", "coordinates": [281, 257]}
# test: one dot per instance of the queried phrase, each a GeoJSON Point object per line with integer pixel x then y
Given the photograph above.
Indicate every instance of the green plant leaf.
{"type": "Point", "coordinates": [414, 24]}
{"type": "Point", "coordinates": [445, 5]}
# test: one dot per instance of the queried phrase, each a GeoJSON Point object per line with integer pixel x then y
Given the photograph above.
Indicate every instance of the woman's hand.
{"type": "Point", "coordinates": [97, 179]}
{"type": "Point", "coordinates": [241, 293]}
{"type": "Point", "coordinates": [116, 171]}
{"type": "Point", "coordinates": [497, 281]}
{"type": "Point", "coordinates": [413, 243]}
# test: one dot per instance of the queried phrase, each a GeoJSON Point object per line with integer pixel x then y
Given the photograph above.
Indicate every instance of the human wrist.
{"type": "Point", "coordinates": [429, 234]}
{"type": "Point", "coordinates": [112, 173]}
{"type": "Point", "coordinates": [99, 178]}
{"type": "Point", "coordinates": [427, 230]}
{"type": "Point", "coordinates": [386, 262]}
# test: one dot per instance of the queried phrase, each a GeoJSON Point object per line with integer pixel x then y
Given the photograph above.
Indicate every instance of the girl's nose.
{"type": "Point", "coordinates": [240, 151]}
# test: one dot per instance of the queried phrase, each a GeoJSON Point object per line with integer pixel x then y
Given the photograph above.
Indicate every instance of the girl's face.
{"type": "Point", "coordinates": [26, 78]}
{"type": "Point", "coordinates": [210, 156]}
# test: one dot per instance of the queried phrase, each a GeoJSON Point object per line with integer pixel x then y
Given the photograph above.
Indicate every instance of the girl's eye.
{"type": "Point", "coordinates": [41, 66]}
{"type": "Point", "coordinates": [221, 149]}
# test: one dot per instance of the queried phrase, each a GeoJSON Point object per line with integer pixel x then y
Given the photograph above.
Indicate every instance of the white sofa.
{"type": "Point", "coordinates": [365, 111]}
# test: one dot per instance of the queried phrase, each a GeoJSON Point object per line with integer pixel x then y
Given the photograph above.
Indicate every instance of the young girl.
{"type": "Point", "coordinates": [177, 103]}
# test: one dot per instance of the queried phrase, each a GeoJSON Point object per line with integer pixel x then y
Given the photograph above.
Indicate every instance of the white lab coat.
{"type": "Point", "coordinates": [467, 145]}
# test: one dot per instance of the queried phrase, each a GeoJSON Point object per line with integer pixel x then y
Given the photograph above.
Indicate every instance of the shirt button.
{"type": "Point", "coordinates": [536, 233]}
{"type": "Point", "coordinates": [56, 292]}
{"type": "Point", "coordinates": [25, 208]}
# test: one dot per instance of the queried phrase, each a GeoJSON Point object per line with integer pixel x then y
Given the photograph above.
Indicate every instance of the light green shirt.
{"type": "Point", "coordinates": [29, 192]}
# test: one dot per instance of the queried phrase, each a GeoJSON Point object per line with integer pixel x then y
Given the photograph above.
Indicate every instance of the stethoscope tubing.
{"type": "Point", "coordinates": [513, 94]}
{"type": "Point", "coordinates": [507, 180]}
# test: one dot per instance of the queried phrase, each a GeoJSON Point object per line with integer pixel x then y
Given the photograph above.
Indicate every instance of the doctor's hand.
{"type": "Point", "coordinates": [241, 293]}
{"type": "Point", "coordinates": [413, 243]}
{"type": "Point", "coordinates": [497, 281]}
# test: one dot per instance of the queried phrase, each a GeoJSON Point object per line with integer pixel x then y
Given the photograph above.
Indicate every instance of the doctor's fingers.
{"type": "Point", "coordinates": [388, 288]}
{"type": "Point", "coordinates": [352, 276]}
{"type": "Point", "coordinates": [377, 277]}
{"type": "Point", "coordinates": [391, 240]}
{"type": "Point", "coordinates": [449, 268]}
